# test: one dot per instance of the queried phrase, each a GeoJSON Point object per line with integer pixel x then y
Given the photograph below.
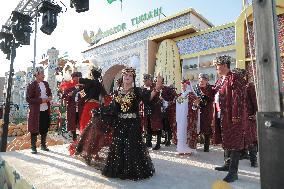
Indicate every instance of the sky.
{"type": "Point", "coordinates": [68, 35]}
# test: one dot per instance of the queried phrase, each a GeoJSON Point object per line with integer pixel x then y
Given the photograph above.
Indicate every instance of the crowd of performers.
{"type": "Point", "coordinates": [117, 129]}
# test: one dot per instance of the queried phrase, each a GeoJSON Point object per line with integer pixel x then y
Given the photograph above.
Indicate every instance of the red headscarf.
{"type": "Point", "coordinates": [67, 84]}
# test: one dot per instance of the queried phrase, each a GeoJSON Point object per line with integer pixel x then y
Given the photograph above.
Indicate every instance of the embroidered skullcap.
{"type": "Point", "coordinates": [224, 59]}
{"type": "Point", "coordinates": [204, 76]}
{"type": "Point", "coordinates": [37, 70]}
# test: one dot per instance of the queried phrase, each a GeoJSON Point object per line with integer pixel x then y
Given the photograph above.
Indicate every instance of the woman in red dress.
{"type": "Point", "coordinates": [93, 136]}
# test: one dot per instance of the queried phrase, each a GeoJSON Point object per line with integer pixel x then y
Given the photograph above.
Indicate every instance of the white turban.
{"type": "Point", "coordinates": [188, 89]}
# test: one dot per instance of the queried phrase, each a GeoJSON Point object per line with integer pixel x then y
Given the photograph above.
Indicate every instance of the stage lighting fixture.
{"type": "Point", "coordinates": [49, 17]}
{"type": "Point", "coordinates": [21, 27]}
{"type": "Point", "coordinates": [6, 43]}
{"type": "Point", "coordinates": [80, 5]}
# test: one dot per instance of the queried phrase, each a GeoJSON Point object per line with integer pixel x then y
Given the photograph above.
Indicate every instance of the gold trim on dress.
{"type": "Point", "coordinates": [125, 101]}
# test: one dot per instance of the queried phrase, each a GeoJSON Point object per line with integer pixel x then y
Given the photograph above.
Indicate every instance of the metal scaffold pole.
{"type": "Point", "coordinates": [3, 142]}
{"type": "Point", "coordinates": [34, 61]}
{"type": "Point", "coordinates": [28, 7]}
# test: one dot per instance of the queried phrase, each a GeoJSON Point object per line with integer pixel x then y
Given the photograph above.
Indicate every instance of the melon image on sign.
{"type": "Point", "coordinates": [168, 63]}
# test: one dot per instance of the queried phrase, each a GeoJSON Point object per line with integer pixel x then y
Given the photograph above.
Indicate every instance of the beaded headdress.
{"type": "Point", "coordinates": [129, 70]}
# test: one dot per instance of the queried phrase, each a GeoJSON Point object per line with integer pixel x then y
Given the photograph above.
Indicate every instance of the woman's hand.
{"type": "Point", "coordinates": [252, 117]}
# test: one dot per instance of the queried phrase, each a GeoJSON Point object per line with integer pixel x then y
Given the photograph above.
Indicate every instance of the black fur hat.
{"type": "Point", "coordinates": [96, 72]}
{"type": "Point", "coordinates": [76, 74]}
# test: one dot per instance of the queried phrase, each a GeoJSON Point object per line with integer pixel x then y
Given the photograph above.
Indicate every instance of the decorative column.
{"type": "Point", "coordinates": [18, 94]}
{"type": "Point", "coordinates": [18, 87]}
{"type": "Point", "coordinates": [50, 73]}
{"type": "Point", "coordinates": [29, 75]}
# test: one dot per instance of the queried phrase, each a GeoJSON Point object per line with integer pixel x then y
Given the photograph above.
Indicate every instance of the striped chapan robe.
{"type": "Point", "coordinates": [232, 103]}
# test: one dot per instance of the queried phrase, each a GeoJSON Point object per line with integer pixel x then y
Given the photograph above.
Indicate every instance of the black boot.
{"type": "Point", "coordinates": [227, 161]}
{"type": "Point", "coordinates": [206, 142]}
{"type": "Point", "coordinates": [200, 139]}
{"type": "Point", "coordinates": [166, 138]}
{"type": "Point", "coordinates": [149, 140]}
{"type": "Point", "coordinates": [74, 135]}
{"type": "Point", "coordinates": [244, 154]}
{"type": "Point", "coordinates": [33, 143]}
{"type": "Point", "coordinates": [169, 138]}
{"type": "Point", "coordinates": [43, 142]}
{"type": "Point", "coordinates": [252, 156]}
{"type": "Point", "coordinates": [233, 169]}
{"type": "Point", "coordinates": [159, 137]}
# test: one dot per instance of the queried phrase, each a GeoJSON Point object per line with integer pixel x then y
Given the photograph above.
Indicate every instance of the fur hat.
{"type": "Point", "coordinates": [37, 70]}
{"type": "Point", "coordinates": [76, 74]}
{"type": "Point", "coordinates": [204, 76]}
{"type": "Point", "coordinates": [147, 76]}
{"type": "Point", "coordinates": [224, 59]}
{"type": "Point", "coordinates": [96, 72]}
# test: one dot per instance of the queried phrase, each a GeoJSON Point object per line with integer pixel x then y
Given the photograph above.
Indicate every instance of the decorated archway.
{"type": "Point", "coordinates": [168, 63]}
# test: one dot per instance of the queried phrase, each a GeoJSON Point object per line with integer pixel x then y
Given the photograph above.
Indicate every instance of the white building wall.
{"type": "Point", "coordinates": [197, 22]}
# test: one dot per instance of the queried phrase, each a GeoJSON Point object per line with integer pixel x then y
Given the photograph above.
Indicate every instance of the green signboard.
{"type": "Point", "coordinates": [111, 1]}
{"type": "Point", "coordinates": [95, 38]}
{"type": "Point", "coordinates": [146, 16]}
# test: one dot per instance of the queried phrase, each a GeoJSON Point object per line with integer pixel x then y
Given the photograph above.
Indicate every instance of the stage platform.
{"type": "Point", "coordinates": [57, 170]}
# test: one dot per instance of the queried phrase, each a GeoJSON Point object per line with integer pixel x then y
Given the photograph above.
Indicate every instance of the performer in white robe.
{"type": "Point", "coordinates": [186, 133]}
